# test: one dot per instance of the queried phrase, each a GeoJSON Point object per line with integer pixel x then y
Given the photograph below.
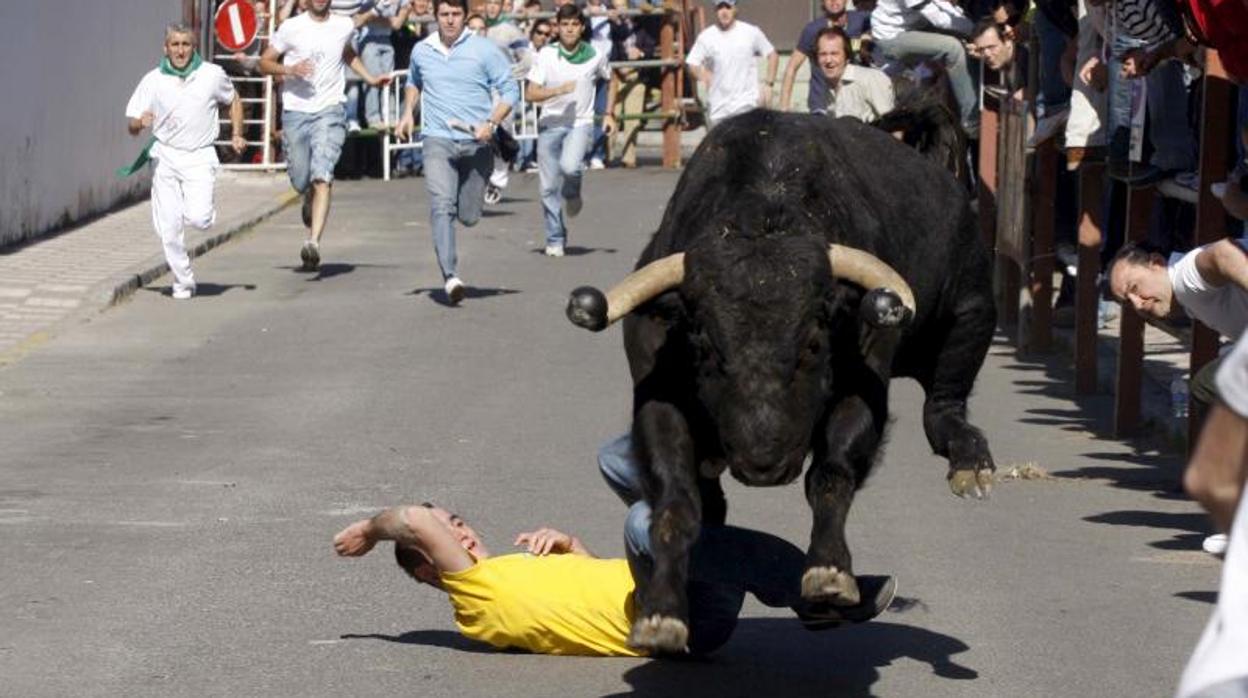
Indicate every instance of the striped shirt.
{"type": "Point", "coordinates": [1148, 21]}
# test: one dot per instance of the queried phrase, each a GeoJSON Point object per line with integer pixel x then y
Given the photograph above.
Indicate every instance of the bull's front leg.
{"type": "Point", "coordinates": [665, 445]}
{"type": "Point", "coordinates": [842, 459]}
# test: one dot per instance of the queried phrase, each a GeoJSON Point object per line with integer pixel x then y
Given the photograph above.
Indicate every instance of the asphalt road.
{"type": "Point", "coordinates": [171, 475]}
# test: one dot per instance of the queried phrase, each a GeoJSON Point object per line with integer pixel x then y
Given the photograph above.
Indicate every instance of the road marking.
{"type": "Point", "coordinates": [324, 642]}
{"type": "Point", "coordinates": [1181, 557]}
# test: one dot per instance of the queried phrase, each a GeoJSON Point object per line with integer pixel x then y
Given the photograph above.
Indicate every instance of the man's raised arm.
{"type": "Point", "coordinates": [412, 526]}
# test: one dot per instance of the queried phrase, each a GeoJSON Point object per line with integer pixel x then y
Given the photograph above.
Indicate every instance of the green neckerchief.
{"type": "Point", "coordinates": [502, 17]}
{"type": "Point", "coordinates": [583, 53]}
{"type": "Point", "coordinates": [166, 68]}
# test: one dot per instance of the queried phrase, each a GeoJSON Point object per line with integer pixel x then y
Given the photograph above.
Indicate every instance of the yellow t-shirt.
{"type": "Point", "coordinates": [550, 604]}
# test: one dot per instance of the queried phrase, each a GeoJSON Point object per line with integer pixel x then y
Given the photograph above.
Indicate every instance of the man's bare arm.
{"type": "Point", "coordinates": [1223, 262]}
{"type": "Point", "coordinates": [1215, 475]}
{"type": "Point", "coordinates": [410, 526]}
{"type": "Point", "coordinates": [548, 541]}
{"type": "Point", "coordinates": [796, 59]}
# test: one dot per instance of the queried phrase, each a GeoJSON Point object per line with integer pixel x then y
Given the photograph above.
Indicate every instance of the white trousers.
{"type": "Point", "coordinates": [182, 189]}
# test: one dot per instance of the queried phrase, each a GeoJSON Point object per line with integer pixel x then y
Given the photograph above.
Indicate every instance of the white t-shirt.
{"type": "Point", "coordinates": [577, 107]}
{"type": "Point", "coordinates": [184, 112]}
{"type": "Point", "coordinates": [1222, 653]}
{"type": "Point", "coordinates": [303, 37]}
{"type": "Point", "coordinates": [732, 57]}
{"type": "Point", "coordinates": [1223, 308]}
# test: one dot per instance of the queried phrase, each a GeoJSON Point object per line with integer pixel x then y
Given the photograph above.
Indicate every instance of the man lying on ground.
{"type": "Point", "coordinates": [557, 598]}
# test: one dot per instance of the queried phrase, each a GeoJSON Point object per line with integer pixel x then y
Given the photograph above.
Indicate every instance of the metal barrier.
{"type": "Point", "coordinates": [524, 120]}
{"type": "Point", "coordinates": [256, 92]}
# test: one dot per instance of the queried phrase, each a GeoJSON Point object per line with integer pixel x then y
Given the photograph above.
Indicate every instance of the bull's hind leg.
{"type": "Point", "coordinates": [841, 461]}
{"type": "Point", "coordinates": [662, 618]}
{"type": "Point", "coordinates": [944, 413]}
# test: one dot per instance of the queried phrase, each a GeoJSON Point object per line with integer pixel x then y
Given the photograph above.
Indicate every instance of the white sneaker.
{"type": "Point", "coordinates": [353, 126]}
{"type": "Point", "coordinates": [183, 294]}
{"type": "Point", "coordinates": [597, 164]}
{"type": "Point", "coordinates": [1216, 544]}
{"type": "Point", "coordinates": [454, 290]}
{"type": "Point", "coordinates": [493, 195]}
{"type": "Point", "coordinates": [554, 250]}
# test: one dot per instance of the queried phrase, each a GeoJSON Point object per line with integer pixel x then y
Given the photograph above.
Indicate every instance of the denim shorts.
{"type": "Point", "coordinates": [313, 143]}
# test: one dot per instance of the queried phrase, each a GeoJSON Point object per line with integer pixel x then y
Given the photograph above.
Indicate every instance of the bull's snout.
{"type": "Point", "coordinates": [770, 473]}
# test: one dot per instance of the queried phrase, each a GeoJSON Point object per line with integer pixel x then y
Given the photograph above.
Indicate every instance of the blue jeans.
{"type": "Point", "coordinates": [560, 166]}
{"type": "Point", "coordinates": [724, 564]}
{"type": "Point", "coordinates": [912, 46]}
{"type": "Point", "coordinates": [1174, 142]}
{"type": "Point", "coordinates": [455, 176]}
{"type": "Point", "coordinates": [598, 149]}
{"type": "Point", "coordinates": [313, 143]}
{"type": "Point", "coordinates": [1054, 93]}
{"type": "Point", "coordinates": [378, 58]}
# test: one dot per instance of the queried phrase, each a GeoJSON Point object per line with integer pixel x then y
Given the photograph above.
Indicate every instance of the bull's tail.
{"type": "Point", "coordinates": [926, 123]}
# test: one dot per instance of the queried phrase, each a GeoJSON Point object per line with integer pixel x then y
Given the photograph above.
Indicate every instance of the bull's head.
{"type": "Point", "coordinates": [759, 333]}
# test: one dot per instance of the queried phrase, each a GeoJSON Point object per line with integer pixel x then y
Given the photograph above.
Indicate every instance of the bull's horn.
{"type": "Point", "coordinates": [889, 301]}
{"type": "Point", "coordinates": [595, 311]}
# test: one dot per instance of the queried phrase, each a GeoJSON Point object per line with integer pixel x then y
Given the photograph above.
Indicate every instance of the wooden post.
{"type": "Point", "coordinates": [1216, 143]}
{"type": "Point", "coordinates": [1131, 329]}
{"type": "Point", "coordinates": [1087, 300]}
{"type": "Point", "coordinates": [989, 125]}
{"type": "Point", "coordinates": [1040, 259]}
{"type": "Point", "coordinates": [671, 124]}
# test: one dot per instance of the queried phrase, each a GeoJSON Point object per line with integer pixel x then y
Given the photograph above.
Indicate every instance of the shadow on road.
{"type": "Point", "coordinates": [578, 251]}
{"type": "Point", "coordinates": [438, 295]}
{"type": "Point", "coordinates": [1197, 526]}
{"type": "Point", "coordinates": [329, 270]}
{"type": "Point", "coordinates": [1146, 468]}
{"type": "Point", "coordinates": [767, 656]}
{"type": "Point", "coordinates": [1210, 597]}
{"type": "Point", "coordinates": [775, 656]}
{"type": "Point", "coordinates": [203, 289]}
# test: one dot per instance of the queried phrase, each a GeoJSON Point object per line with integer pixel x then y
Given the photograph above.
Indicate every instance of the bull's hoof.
{"type": "Point", "coordinates": [830, 585]}
{"type": "Point", "coordinates": [587, 307]}
{"type": "Point", "coordinates": [660, 634]}
{"type": "Point", "coordinates": [971, 483]}
{"type": "Point", "coordinates": [882, 307]}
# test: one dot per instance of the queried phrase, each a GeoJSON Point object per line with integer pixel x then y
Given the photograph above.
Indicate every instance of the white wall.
{"type": "Point", "coordinates": [66, 71]}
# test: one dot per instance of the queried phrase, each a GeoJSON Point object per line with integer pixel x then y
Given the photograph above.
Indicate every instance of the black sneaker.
{"type": "Point", "coordinates": [310, 254]}
{"type": "Point", "coordinates": [307, 209]}
{"type": "Point", "coordinates": [877, 593]}
{"type": "Point", "coordinates": [493, 195]}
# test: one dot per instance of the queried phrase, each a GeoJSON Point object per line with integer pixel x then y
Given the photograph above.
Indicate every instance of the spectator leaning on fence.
{"type": "Point", "coordinates": [314, 48]}
{"type": "Point", "coordinates": [864, 93]}
{"type": "Point", "coordinates": [909, 31]}
{"type": "Point", "coordinates": [562, 81]}
{"type": "Point", "coordinates": [178, 102]}
{"type": "Point", "coordinates": [725, 58]}
{"type": "Point", "coordinates": [1001, 54]}
{"type": "Point", "coordinates": [458, 73]}
{"type": "Point", "coordinates": [1210, 283]}
{"type": "Point", "coordinates": [377, 52]}
{"type": "Point", "coordinates": [854, 23]}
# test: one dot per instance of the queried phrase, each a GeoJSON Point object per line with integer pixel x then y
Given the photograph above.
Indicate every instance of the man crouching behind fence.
{"type": "Point", "coordinates": [178, 102]}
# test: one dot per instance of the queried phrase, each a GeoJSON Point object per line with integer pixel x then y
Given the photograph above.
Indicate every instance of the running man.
{"type": "Point", "coordinates": [563, 81]}
{"type": "Point", "coordinates": [314, 48]}
{"type": "Point", "coordinates": [178, 102]}
{"type": "Point", "coordinates": [725, 59]}
{"type": "Point", "coordinates": [454, 74]}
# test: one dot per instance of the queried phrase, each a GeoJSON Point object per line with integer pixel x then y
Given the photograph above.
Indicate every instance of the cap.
{"type": "Point", "coordinates": [730, 3]}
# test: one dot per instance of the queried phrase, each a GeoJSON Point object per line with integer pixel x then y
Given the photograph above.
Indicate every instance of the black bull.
{"type": "Point", "coordinates": [758, 351]}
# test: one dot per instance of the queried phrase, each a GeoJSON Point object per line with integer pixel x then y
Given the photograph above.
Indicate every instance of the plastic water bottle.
{"type": "Point", "coordinates": [1178, 398]}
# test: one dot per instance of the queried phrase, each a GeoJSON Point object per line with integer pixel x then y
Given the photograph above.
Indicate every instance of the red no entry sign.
{"type": "Point", "coordinates": [236, 24]}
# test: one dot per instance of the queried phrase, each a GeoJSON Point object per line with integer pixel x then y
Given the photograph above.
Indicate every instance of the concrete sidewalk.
{"type": "Point", "coordinates": [48, 283]}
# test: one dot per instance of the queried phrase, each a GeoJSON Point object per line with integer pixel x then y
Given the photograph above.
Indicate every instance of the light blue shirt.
{"type": "Point", "coordinates": [459, 83]}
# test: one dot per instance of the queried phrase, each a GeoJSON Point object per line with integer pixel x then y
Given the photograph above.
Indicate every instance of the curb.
{"type": "Point", "coordinates": [120, 287]}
